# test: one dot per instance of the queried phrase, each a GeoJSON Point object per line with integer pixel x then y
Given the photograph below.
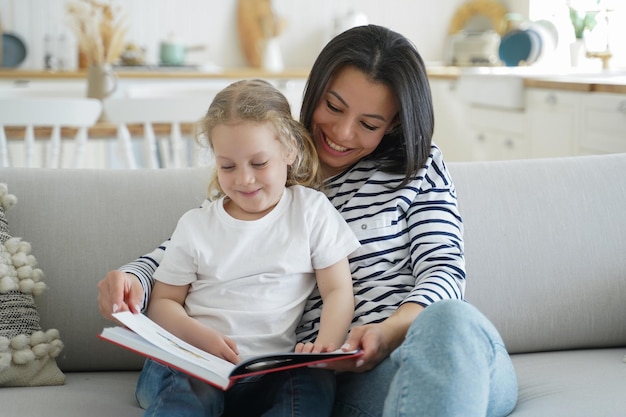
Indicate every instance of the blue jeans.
{"type": "Point", "coordinates": [452, 363]}
{"type": "Point", "coordinates": [163, 391]}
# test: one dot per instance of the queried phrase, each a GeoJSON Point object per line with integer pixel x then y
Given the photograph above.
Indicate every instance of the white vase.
{"type": "Point", "coordinates": [577, 52]}
{"type": "Point", "coordinates": [272, 56]}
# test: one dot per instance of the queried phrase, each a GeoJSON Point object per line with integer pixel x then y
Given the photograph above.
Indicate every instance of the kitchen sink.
{"type": "Point", "coordinates": [503, 87]}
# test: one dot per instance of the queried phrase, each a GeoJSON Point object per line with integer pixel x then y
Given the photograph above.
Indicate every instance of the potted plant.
{"type": "Point", "coordinates": [582, 20]}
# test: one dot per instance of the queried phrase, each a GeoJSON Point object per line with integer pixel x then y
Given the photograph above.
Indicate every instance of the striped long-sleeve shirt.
{"type": "Point", "coordinates": [411, 242]}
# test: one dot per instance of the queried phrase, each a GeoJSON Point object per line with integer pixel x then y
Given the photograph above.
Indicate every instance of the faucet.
{"type": "Point", "coordinates": [604, 56]}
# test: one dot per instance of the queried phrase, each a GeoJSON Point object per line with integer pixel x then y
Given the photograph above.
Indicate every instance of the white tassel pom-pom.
{"type": "Point", "coordinates": [37, 275]}
{"type": "Point", "coordinates": [52, 334]}
{"type": "Point", "coordinates": [56, 346]}
{"type": "Point", "coordinates": [39, 288]}
{"type": "Point", "coordinates": [27, 286]}
{"type": "Point", "coordinates": [38, 337]}
{"type": "Point", "coordinates": [4, 269]}
{"type": "Point", "coordinates": [24, 272]}
{"type": "Point", "coordinates": [41, 350]}
{"type": "Point", "coordinates": [5, 360]}
{"type": "Point", "coordinates": [25, 247]}
{"type": "Point", "coordinates": [12, 245]}
{"type": "Point", "coordinates": [7, 284]}
{"type": "Point", "coordinates": [7, 200]}
{"type": "Point", "coordinates": [4, 344]}
{"type": "Point", "coordinates": [19, 260]}
{"type": "Point", "coordinates": [23, 356]}
{"type": "Point", "coordinates": [20, 342]}
{"type": "Point", "coordinates": [5, 354]}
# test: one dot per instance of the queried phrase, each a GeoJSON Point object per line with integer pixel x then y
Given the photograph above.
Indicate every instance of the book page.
{"type": "Point", "coordinates": [160, 337]}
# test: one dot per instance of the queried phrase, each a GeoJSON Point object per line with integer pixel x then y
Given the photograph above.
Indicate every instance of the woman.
{"type": "Point", "coordinates": [368, 107]}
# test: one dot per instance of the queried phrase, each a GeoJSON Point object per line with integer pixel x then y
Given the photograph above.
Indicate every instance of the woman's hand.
{"type": "Point", "coordinates": [377, 340]}
{"type": "Point", "coordinates": [119, 291]}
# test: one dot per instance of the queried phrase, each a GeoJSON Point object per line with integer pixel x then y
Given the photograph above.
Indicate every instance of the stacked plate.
{"type": "Point", "coordinates": [13, 50]}
{"type": "Point", "coordinates": [526, 46]}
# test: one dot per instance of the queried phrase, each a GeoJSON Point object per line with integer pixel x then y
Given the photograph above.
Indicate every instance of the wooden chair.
{"type": "Point", "coordinates": [47, 112]}
{"type": "Point", "coordinates": [148, 111]}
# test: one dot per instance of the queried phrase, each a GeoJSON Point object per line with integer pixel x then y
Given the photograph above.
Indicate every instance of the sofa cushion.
{"type": "Point", "coordinates": [92, 394]}
{"type": "Point", "coordinates": [27, 353]}
{"type": "Point", "coordinates": [545, 243]}
{"type": "Point", "coordinates": [576, 383]}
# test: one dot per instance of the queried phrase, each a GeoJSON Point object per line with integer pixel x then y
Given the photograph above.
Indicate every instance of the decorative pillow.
{"type": "Point", "coordinates": [27, 353]}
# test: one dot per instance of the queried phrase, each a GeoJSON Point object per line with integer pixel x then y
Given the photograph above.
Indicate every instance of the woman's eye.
{"type": "Point", "coordinates": [226, 167]}
{"type": "Point", "coordinates": [259, 164]}
{"type": "Point", "coordinates": [369, 127]}
{"type": "Point", "coordinates": [331, 107]}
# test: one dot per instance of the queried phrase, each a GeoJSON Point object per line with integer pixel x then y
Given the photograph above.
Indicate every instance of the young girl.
{"type": "Point", "coordinates": [239, 270]}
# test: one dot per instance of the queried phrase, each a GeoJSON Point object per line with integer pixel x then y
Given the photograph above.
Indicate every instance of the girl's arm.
{"type": "Point", "coordinates": [335, 285]}
{"type": "Point", "coordinates": [167, 309]}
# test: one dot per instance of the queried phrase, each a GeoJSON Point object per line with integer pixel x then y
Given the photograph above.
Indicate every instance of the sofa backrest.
{"type": "Point", "coordinates": [83, 223]}
{"type": "Point", "coordinates": [545, 244]}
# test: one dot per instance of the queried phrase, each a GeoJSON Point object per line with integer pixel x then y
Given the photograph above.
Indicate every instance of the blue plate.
{"type": "Point", "coordinates": [13, 50]}
{"type": "Point", "coordinates": [519, 46]}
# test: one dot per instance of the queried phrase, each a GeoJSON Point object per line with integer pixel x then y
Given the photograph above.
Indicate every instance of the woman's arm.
{"type": "Point", "coordinates": [335, 286]}
{"type": "Point", "coordinates": [167, 309]}
{"type": "Point", "coordinates": [128, 288]}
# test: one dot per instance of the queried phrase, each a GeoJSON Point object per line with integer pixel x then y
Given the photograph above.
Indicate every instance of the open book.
{"type": "Point", "coordinates": [151, 340]}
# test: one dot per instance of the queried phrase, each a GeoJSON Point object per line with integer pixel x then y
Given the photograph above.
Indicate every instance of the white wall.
{"type": "Point", "coordinates": [213, 23]}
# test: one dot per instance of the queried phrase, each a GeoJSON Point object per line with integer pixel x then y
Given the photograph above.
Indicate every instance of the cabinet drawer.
{"type": "Point", "coordinates": [551, 99]}
{"type": "Point", "coordinates": [604, 121]}
{"type": "Point", "coordinates": [493, 145]}
{"type": "Point", "coordinates": [507, 121]}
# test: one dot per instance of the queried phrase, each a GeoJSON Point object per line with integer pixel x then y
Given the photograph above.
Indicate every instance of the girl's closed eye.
{"type": "Point", "coordinates": [225, 167]}
{"type": "Point", "coordinates": [259, 164]}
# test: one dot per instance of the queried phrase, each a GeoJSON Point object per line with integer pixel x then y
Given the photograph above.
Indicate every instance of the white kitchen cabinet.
{"type": "Point", "coordinates": [497, 134]}
{"type": "Point", "coordinates": [450, 121]}
{"type": "Point", "coordinates": [603, 124]}
{"type": "Point", "coordinates": [553, 118]}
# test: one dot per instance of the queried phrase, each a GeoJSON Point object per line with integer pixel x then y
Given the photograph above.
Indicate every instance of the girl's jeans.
{"type": "Point", "coordinates": [163, 391]}
{"type": "Point", "coordinates": [452, 363]}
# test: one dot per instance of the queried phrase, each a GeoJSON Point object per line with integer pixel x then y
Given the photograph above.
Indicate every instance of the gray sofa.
{"type": "Point", "coordinates": [546, 262]}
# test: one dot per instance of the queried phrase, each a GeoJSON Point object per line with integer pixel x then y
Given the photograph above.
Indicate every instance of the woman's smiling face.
{"type": "Point", "coordinates": [351, 119]}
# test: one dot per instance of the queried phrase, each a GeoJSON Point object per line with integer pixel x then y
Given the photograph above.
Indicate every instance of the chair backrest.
{"type": "Point", "coordinates": [156, 109]}
{"type": "Point", "coordinates": [32, 112]}
{"type": "Point", "coordinates": [168, 152]}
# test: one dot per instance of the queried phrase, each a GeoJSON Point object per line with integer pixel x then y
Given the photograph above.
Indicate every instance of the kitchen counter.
{"type": "Point", "coordinates": [610, 82]}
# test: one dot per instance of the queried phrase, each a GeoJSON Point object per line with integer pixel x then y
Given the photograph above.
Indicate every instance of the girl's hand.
{"type": "Point", "coordinates": [219, 345]}
{"type": "Point", "coordinates": [314, 347]}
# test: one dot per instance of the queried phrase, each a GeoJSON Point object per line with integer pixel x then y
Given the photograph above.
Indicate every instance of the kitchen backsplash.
{"type": "Point", "coordinates": [42, 24]}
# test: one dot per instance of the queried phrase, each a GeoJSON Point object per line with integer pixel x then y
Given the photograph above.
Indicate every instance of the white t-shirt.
{"type": "Point", "coordinates": [250, 279]}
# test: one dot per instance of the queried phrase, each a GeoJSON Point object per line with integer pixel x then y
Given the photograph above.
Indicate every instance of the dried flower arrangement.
{"type": "Point", "coordinates": [100, 30]}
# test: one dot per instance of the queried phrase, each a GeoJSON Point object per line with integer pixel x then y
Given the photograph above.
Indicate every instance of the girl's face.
{"type": "Point", "coordinates": [351, 119]}
{"type": "Point", "coordinates": [251, 167]}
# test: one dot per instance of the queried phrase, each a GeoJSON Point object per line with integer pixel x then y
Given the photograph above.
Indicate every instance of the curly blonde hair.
{"type": "Point", "coordinates": [258, 101]}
